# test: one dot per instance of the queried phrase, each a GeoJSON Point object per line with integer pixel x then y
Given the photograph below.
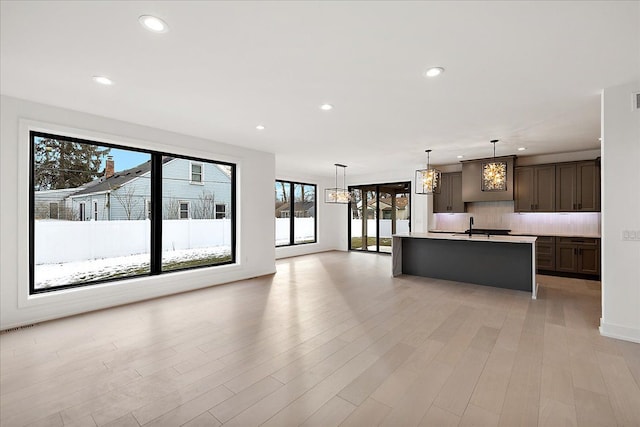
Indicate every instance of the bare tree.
{"type": "Point", "coordinates": [284, 192]}
{"type": "Point", "coordinates": [125, 195]}
{"type": "Point", "coordinates": [171, 209]}
{"type": "Point", "coordinates": [69, 213]}
{"type": "Point", "coordinates": [204, 207]}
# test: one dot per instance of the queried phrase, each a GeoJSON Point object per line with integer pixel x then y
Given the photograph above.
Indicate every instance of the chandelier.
{"type": "Point", "coordinates": [428, 180]}
{"type": "Point", "coordinates": [338, 195]}
{"type": "Point", "coordinates": [494, 174]}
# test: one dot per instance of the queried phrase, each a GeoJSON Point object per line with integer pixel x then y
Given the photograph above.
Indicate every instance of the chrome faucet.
{"type": "Point", "coordinates": [470, 226]}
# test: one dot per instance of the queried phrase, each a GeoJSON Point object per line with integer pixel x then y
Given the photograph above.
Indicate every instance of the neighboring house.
{"type": "Point", "coordinates": [386, 208]}
{"type": "Point", "coordinates": [54, 204]}
{"type": "Point", "coordinates": [191, 189]}
{"type": "Point", "coordinates": [301, 210]}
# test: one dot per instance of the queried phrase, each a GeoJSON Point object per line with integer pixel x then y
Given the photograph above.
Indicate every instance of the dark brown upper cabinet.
{"type": "Point", "coordinates": [578, 186]}
{"type": "Point", "coordinates": [449, 199]}
{"type": "Point", "coordinates": [535, 188]}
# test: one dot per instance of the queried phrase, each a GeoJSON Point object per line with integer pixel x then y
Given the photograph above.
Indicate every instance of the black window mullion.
{"type": "Point", "coordinates": [156, 214]}
{"type": "Point", "coordinates": [315, 215]}
{"type": "Point", "coordinates": [377, 218]}
{"type": "Point", "coordinates": [32, 262]}
{"type": "Point", "coordinates": [349, 217]}
{"type": "Point", "coordinates": [233, 213]}
{"type": "Point", "coordinates": [292, 204]}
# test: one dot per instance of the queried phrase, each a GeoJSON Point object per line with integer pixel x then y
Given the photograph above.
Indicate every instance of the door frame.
{"type": "Point", "coordinates": [406, 186]}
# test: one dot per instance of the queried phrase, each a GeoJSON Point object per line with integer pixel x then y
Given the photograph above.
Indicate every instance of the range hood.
{"type": "Point", "coordinates": [472, 181]}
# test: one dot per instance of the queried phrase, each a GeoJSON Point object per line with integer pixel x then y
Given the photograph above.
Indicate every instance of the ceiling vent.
{"type": "Point", "coordinates": [636, 101]}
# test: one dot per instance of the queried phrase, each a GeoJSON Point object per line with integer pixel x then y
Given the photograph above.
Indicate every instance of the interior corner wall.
{"type": "Point", "coordinates": [620, 212]}
{"type": "Point", "coordinates": [255, 250]}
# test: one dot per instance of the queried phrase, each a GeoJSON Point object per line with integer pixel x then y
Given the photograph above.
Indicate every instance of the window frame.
{"type": "Point", "coordinates": [224, 211]}
{"type": "Point", "coordinates": [57, 210]}
{"type": "Point", "coordinates": [191, 165]}
{"type": "Point", "coordinates": [155, 204]}
{"type": "Point", "coordinates": [291, 212]}
{"type": "Point", "coordinates": [180, 210]}
{"type": "Point", "coordinates": [82, 210]}
{"type": "Point", "coordinates": [377, 212]}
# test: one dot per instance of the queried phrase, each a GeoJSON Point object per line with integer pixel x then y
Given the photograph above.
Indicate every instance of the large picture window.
{"type": "Point", "coordinates": [295, 213]}
{"type": "Point", "coordinates": [103, 212]}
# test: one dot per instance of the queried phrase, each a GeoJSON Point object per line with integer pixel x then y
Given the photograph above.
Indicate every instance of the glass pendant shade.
{"type": "Point", "coordinates": [494, 174]}
{"type": "Point", "coordinates": [427, 180]}
{"type": "Point", "coordinates": [336, 194]}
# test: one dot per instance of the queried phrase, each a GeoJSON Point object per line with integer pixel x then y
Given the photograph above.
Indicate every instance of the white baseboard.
{"type": "Point", "coordinates": [619, 332]}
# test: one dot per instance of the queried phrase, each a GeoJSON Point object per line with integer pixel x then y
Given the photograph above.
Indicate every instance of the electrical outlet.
{"type": "Point", "coordinates": [631, 235]}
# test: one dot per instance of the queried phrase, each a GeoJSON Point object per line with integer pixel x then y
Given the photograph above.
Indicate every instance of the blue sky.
{"type": "Point", "coordinates": [125, 159]}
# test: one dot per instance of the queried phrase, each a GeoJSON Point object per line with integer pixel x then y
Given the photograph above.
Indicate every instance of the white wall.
{"type": "Point", "coordinates": [255, 246]}
{"type": "Point", "coordinates": [620, 211]}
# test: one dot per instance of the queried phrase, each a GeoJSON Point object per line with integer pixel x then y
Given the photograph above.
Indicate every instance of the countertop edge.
{"type": "Point", "coordinates": [474, 238]}
{"type": "Point", "coordinates": [516, 233]}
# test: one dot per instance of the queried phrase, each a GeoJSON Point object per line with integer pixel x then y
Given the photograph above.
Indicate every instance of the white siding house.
{"type": "Point", "coordinates": [191, 190]}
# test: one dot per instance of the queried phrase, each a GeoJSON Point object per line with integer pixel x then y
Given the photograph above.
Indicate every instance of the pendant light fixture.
{"type": "Point", "coordinates": [428, 180]}
{"type": "Point", "coordinates": [494, 174]}
{"type": "Point", "coordinates": [338, 195]}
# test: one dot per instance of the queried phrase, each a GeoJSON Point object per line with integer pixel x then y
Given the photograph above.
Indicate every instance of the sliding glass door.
{"type": "Point", "coordinates": [376, 212]}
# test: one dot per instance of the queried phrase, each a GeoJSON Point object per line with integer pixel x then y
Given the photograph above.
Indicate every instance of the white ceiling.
{"type": "Point", "coordinates": [527, 73]}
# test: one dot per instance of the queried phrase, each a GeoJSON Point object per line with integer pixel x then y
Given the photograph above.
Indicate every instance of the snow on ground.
{"type": "Point", "coordinates": [51, 275]}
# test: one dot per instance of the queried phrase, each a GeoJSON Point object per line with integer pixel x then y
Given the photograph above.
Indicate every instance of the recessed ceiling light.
{"type": "Point", "coordinates": [460, 156]}
{"type": "Point", "coordinates": [103, 80]}
{"type": "Point", "coordinates": [260, 127]}
{"type": "Point", "coordinates": [326, 107]}
{"type": "Point", "coordinates": [153, 23]}
{"type": "Point", "coordinates": [522, 148]}
{"type": "Point", "coordinates": [434, 71]}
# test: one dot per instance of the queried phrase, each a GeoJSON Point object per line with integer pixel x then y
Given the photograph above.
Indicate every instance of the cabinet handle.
{"type": "Point", "coordinates": [531, 207]}
{"type": "Point", "coordinates": [575, 251]}
{"type": "Point", "coordinates": [579, 205]}
{"type": "Point", "coordinates": [574, 206]}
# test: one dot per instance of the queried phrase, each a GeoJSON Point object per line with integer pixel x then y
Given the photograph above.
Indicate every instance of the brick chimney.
{"type": "Point", "coordinates": [109, 168]}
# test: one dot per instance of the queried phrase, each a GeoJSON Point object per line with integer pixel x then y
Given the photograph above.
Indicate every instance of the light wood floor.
{"type": "Point", "coordinates": [330, 340]}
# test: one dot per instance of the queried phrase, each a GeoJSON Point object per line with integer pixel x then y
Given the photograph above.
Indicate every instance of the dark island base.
{"type": "Point", "coordinates": [497, 264]}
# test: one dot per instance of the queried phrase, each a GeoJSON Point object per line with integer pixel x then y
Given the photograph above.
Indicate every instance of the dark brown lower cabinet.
{"type": "Point", "coordinates": [578, 255]}
{"type": "Point", "coordinates": [546, 253]}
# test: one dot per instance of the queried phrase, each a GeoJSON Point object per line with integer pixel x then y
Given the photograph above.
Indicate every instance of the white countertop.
{"type": "Point", "coordinates": [474, 237]}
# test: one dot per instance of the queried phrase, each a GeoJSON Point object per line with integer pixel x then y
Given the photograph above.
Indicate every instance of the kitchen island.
{"type": "Point", "coordinates": [500, 261]}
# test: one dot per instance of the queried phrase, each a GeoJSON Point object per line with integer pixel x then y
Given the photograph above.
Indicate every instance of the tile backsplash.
{"type": "Point", "coordinates": [501, 215]}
